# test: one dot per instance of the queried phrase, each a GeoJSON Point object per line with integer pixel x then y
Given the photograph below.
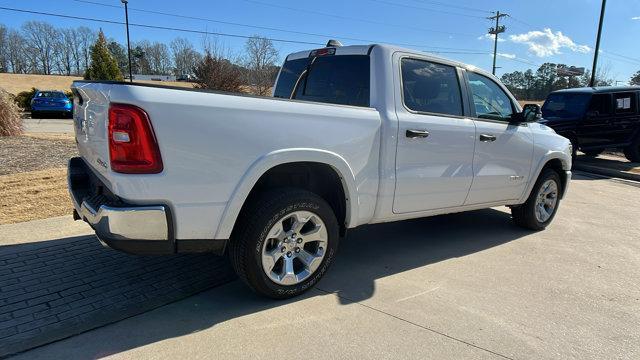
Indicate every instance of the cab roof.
{"type": "Point", "coordinates": [599, 89]}
{"type": "Point", "coordinates": [366, 49]}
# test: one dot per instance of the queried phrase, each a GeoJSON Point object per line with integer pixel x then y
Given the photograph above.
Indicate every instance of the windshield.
{"type": "Point", "coordinates": [335, 79]}
{"type": "Point", "coordinates": [50, 95]}
{"type": "Point", "coordinates": [565, 105]}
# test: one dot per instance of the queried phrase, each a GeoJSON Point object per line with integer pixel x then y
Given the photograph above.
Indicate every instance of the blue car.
{"type": "Point", "coordinates": [51, 102]}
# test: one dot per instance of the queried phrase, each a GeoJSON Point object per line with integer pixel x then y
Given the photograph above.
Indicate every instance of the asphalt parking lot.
{"type": "Point", "coordinates": [457, 286]}
{"type": "Point", "coordinates": [58, 126]}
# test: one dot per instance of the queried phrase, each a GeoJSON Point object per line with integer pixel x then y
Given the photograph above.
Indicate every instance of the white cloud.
{"type": "Point", "coordinates": [490, 37]}
{"type": "Point", "coordinates": [546, 43]}
{"type": "Point", "coordinates": [635, 18]}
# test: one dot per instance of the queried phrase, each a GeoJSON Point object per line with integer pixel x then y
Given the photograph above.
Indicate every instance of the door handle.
{"type": "Point", "coordinates": [412, 134]}
{"type": "Point", "coordinates": [487, 138]}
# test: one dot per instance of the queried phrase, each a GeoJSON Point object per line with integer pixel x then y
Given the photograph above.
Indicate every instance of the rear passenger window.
{"type": "Point", "coordinates": [625, 102]}
{"type": "Point", "coordinates": [430, 87]}
{"type": "Point", "coordinates": [600, 105]}
{"type": "Point", "coordinates": [335, 79]}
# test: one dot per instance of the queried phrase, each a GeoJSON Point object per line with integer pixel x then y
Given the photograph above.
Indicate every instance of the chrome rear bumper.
{"type": "Point", "coordinates": [130, 223]}
{"type": "Point", "coordinates": [126, 227]}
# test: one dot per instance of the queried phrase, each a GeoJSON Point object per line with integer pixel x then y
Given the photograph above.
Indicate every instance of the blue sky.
{"type": "Point", "coordinates": [560, 31]}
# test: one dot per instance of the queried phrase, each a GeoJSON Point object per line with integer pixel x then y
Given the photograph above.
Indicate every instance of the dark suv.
{"type": "Point", "coordinates": [596, 118]}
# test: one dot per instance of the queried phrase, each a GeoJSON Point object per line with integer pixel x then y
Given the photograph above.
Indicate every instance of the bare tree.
{"type": "Point", "coordinates": [64, 50]}
{"type": "Point", "coordinates": [260, 59]}
{"type": "Point", "coordinates": [4, 66]}
{"type": "Point", "coordinates": [159, 59]}
{"type": "Point", "coordinates": [15, 52]}
{"type": "Point", "coordinates": [84, 39]}
{"type": "Point", "coordinates": [185, 57]}
{"type": "Point", "coordinates": [41, 37]}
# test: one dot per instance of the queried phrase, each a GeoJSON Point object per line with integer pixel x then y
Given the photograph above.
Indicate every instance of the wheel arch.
{"type": "Point", "coordinates": [555, 161]}
{"type": "Point", "coordinates": [298, 161]}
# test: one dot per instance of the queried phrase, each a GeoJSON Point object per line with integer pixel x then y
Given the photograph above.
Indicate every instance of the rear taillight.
{"type": "Point", "coordinates": [133, 148]}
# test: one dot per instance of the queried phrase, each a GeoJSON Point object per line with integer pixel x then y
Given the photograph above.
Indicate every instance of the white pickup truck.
{"type": "Point", "coordinates": [353, 135]}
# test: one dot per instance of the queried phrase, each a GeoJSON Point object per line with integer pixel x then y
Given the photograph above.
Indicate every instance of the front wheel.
{"type": "Point", "coordinates": [632, 152]}
{"type": "Point", "coordinates": [284, 243]}
{"type": "Point", "coordinates": [541, 206]}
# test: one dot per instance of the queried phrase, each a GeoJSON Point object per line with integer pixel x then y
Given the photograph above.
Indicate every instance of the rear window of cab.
{"type": "Point", "coordinates": [334, 79]}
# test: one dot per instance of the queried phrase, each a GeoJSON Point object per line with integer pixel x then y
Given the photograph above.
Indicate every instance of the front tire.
{"type": "Point", "coordinates": [541, 206]}
{"type": "Point", "coordinates": [284, 242]}
{"type": "Point", "coordinates": [632, 152]}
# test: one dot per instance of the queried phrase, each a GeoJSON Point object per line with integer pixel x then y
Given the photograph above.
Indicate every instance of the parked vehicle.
{"type": "Point", "coordinates": [52, 103]}
{"type": "Point", "coordinates": [596, 118]}
{"type": "Point", "coordinates": [355, 135]}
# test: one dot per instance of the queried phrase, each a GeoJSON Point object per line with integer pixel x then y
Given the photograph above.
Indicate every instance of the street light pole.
{"type": "Point", "coordinates": [126, 16]}
{"type": "Point", "coordinates": [597, 49]}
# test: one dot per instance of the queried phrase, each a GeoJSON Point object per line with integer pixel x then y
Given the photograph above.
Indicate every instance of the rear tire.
{"type": "Point", "coordinates": [35, 115]}
{"type": "Point", "coordinates": [296, 261]}
{"type": "Point", "coordinates": [632, 152]}
{"type": "Point", "coordinates": [543, 202]}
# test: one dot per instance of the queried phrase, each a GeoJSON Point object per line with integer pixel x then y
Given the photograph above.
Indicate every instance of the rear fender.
{"type": "Point", "coordinates": [279, 157]}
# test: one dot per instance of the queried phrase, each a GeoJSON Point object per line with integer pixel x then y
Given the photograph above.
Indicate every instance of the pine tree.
{"type": "Point", "coordinates": [103, 65]}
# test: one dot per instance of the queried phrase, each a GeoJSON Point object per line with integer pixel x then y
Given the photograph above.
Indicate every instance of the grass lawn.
{"type": "Point", "coordinates": [33, 183]}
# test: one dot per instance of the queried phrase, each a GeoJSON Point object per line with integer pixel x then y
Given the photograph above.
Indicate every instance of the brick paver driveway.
{"type": "Point", "coordinates": [54, 289]}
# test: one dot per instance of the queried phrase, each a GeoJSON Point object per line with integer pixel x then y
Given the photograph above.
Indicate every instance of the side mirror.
{"type": "Point", "coordinates": [531, 112]}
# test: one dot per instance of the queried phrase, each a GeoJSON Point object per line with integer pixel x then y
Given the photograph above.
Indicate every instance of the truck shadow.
{"type": "Point", "coordinates": [367, 254]}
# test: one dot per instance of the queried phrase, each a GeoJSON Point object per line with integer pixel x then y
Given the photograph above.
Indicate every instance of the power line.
{"type": "Point", "coordinates": [425, 9]}
{"type": "Point", "coordinates": [336, 16]}
{"type": "Point", "coordinates": [221, 22]}
{"type": "Point", "coordinates": [608, 56]}
{"type": "Point", "coordinates": [635, 60]}
{"type": "Point", "coordinates": [458, 51]}
{"type": "Point", "coordinates": [154, 26]}
{"type": "Point", "coordinates": [452, 6]}
{"type": "Point", "coordinates": [522, 22]}
{"type": "Point", "coordinates": [325, 36]}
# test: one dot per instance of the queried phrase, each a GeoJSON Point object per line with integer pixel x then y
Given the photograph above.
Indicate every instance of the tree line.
{"type": "Point", "coordinates": [38, 47]}
{"type": "Point", "coordinates": [530, 85]}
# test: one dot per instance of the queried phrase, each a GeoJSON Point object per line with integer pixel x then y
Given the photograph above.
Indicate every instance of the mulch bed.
{"type": "Point", "coordinates": [27, 153]}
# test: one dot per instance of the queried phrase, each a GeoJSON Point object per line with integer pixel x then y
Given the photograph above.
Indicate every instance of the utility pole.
{"type": "Point", "coordinates": [495, 31]}
{"type": "Point", "coordinates": [126, 16]}
{"type": "Point", "coordinates": [597, 49]}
